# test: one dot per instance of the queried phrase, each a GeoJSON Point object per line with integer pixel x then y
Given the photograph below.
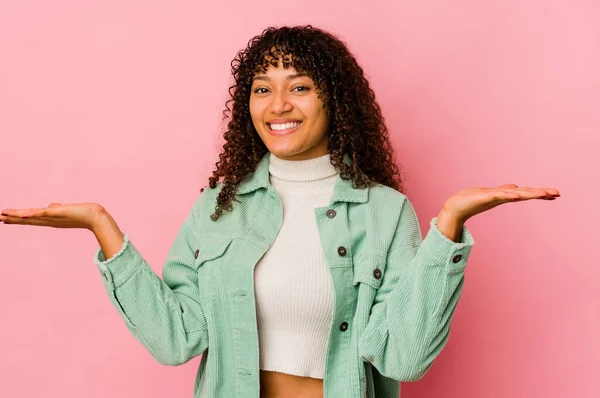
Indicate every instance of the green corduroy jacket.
{"type": "Point", "coordinates": [394, 292]}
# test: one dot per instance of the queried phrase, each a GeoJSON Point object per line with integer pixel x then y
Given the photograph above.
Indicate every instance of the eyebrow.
{"type": "Point", "coordinates": [289, 77]}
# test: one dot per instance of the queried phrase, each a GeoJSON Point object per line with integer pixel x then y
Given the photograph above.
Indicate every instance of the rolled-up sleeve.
{"type": "Point", "coordinates": [410, 318]}
{"type": "Point", "coordinates": [165, 315]}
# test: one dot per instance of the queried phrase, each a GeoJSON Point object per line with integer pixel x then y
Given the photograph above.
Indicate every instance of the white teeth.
{"type": "Point", "coordinates": [284, 126]}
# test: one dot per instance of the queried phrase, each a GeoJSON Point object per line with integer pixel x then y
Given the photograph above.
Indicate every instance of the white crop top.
{"type": "Point", "coordinates": [293, 288]}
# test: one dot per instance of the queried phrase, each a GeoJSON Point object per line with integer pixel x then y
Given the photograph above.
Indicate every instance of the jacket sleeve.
{"type": "Point", "coordinates": [164, 315]}
{"type": "Point", "coordinates": [410, 319]}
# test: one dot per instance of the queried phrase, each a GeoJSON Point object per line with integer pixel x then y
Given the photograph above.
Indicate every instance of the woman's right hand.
{"type": "Point", "coordinates": [57, 215]}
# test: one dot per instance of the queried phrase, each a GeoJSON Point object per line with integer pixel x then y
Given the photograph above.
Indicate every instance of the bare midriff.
{"type": "Point", "coordinates": [283, 385]}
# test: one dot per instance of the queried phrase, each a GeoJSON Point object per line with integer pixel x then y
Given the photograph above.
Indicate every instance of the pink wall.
{"type": "Point", "coordinates": [120, 104]}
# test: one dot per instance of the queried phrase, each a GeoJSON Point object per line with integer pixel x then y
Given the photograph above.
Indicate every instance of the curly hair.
{"type": "Point", "coordinates": [356, 125]}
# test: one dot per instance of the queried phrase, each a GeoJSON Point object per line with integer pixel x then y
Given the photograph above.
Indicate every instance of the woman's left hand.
{"type": "Point", "coordinates": [471, 201]}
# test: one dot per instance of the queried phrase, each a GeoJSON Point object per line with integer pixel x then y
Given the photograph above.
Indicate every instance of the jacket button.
{"type": "Point", "coordinates": [196, 254]}
{"type": "Point", "coordinates": [377, 273]}
{"type": "Point", "coordinates": [331, 213]}
{"type": "Point", "coordinates": [344, 326]}
{"type": "Point", "coordinates": [456, 258]}
{"type": "Point", "coordinates": [342, 251]}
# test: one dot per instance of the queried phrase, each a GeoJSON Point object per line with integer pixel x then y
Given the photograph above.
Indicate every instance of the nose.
{"type": "Point", "coordinates": [279, 103]}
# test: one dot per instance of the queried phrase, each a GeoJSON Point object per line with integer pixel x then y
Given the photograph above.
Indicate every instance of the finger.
{"type": "Point", "coordinates": [12, 212]}
{"type": "Point", "coordinates": [53, 212]}
{"type": "Point", "coordinates": [39, 218]}
{"type": "Point", "coordinates": [30, 213]}
{"type": "Point", "coordinates": [550, 196]}
{"type": "Point", "coordinates": [541, 191]}
{"type": "Point", "coordinates": [16, 212]}
{"type": "Point", "coordinates": [44, 222]}
{"type": "Point", "coordinates": [551, 191]}
{"type": "Point", "coordinates": [20, 221]}
{"type": "Point", "coordinates": [507, 196]}
{"type": "Point", "coordinates": [534, 193]}
{"type": "Point", "coordinates": [11, 219]}
{"type": "Point", "coordinates": [508, 186]}
{"type": "Point", "coordinates": [502, 194]}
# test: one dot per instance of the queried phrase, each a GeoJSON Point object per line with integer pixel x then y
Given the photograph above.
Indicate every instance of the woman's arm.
{"type": "Point", "coordinates": [166, 316]}
{"type": "Point", "coordinates": [410, 318]}
{"type": "Point", "coordinates": [107, 233]}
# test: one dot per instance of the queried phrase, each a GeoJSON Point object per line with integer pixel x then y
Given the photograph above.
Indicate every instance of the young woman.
{"type": "Point", "coordinates": [315, 280]}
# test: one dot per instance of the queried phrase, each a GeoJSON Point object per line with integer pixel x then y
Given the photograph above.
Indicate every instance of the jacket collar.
{"type": "Point", "coordinates": [343, 191]}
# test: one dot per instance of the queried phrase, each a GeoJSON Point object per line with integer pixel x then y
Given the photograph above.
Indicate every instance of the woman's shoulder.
{"type": "Point", "coordinates": [384, 194]}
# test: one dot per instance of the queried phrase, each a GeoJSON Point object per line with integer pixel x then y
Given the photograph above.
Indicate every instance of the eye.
{"type": "Point", "coordinates": [258, 90]}
{"type": "Point", "coordinates": [303, 88]}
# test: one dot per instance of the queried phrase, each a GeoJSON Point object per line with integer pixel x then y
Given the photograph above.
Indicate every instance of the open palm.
{"type": "Point", "coordinates": [56, 215]}
{"type": "Point", "coordinates": [471, 201]}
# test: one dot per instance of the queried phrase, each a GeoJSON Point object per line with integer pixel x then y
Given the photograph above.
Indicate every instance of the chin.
{"type": "Point", "coordinates": [283, 148]}
{"type": "Point", "coordinates": [283, 153]}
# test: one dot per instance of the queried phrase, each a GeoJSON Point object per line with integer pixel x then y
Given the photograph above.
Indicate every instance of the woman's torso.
{"type": "Point", "coordinates": [282, 385]}
{"type": "Point", "coordinates": [355, 230]}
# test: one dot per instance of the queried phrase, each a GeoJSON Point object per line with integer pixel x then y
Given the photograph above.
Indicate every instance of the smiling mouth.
{"type": "Point", "coordinates": [283, 128]}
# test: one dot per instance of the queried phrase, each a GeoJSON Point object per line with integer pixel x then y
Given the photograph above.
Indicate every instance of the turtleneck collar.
{"type": "Point", "coordinates": [301, 170]}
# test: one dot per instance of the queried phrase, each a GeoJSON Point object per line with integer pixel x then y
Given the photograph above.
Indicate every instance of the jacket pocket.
{"type": "Point", "coordinates": [211, 253]}
{"type": "Point", "coordinates": [369, 270]}
{"type": "Point", "coordinates": [210, 248]}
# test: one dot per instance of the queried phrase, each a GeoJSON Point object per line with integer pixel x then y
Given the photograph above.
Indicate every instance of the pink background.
{"type": "Point", "coordinates": [120, 104]}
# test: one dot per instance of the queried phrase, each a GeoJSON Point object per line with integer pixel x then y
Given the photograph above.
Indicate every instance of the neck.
{"type": "Point", "coordinates": [301, 170]}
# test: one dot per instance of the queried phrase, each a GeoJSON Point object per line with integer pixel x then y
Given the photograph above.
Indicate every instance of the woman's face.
{"type": "Point", "coordinates": [288, 115]}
